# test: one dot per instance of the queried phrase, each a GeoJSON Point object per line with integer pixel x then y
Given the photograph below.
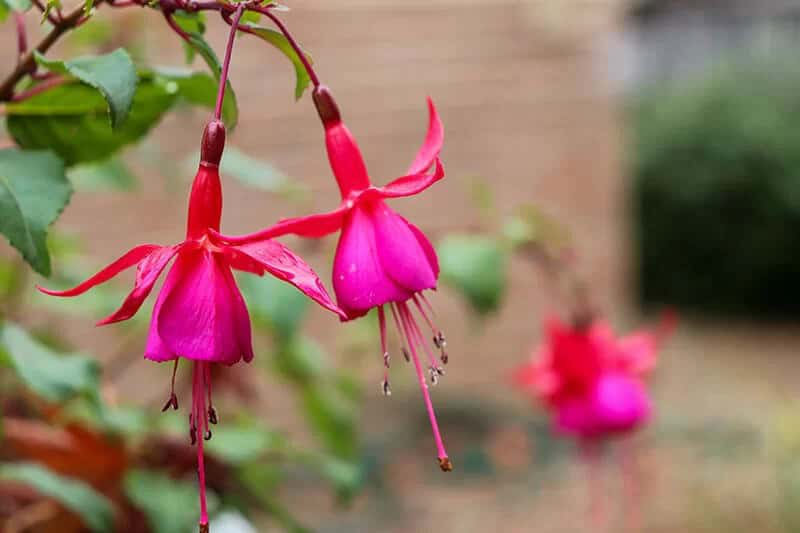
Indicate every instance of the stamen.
{"type": "Point", "coordinates": [173, 399]}
{"type": "Point", "coordinates": [387, 390]}
{"type": "Point", "coordinates": [400, 331]}
{"type": "Point", "coordinates": [438, 337]}
{"type": "Point", "coordinates": [208, 435]}
{"type": "Point", "coordinates": [434, 376]}
{"type": "Point", "coordinates": [212, 415]}
{"type": "Point", "coordinates": [200, 387]}
{"type": "Point", "coordinates": [420, 341]}
{"type": "Point", "coordinates": [444, 461]}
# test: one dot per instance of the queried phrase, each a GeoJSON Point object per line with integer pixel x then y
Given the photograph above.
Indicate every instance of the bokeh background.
{"type": "Point", "coordinates": [659, 134]}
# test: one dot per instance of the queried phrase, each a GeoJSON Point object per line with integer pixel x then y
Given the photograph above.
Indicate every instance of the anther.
{"type": "Point", "coordinates": [445, 464]}
{"type": "Point", "coordinates": [406, 355]}
{"type": "Point", "coordinates": [172, 402]}
{"type": "Point", "coordinates": [212, 415]}
{"type": "Point", "coordinates": [386, 359]}
{"type": "Point", "coordinates": [434, 374]}
{"type": "Point", "coordinates": [208, 435]}
{"type": "Point", "coordinates": [193, 435]}
{"type": "Point", "coordinates": [387, 391]}
{"type": "Point", "coordinates": [204, 528]}
{"type": "Point", "coordinates": [444, 357]}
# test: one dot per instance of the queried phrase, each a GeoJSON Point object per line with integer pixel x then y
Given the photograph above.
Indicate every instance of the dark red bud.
{"type": "Point", "coordinates": [326, 106]}
{"type": "Point", "coordinates": [213, 143]}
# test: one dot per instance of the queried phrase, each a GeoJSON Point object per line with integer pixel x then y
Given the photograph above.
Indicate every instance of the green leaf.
{"type": "Point", "coordinates": [476, 266]}
{"type": "Point", "coordinates": [243, 442]}
{"type": "Point", "coordinates": [332, 415]}
{"type": "Point", "coordinates": [71, 120]}
{"type": "Point", "coordinates": [171, 506]}
{"type": "Point", "coordinates": [111, 174]}
{"type": "Point", "coordinates": [5, 9]}
{"type": "Point", "coordinates": [274, 304]}
{"type": "Point", "coordinates": [277, 40]}
{"type": "Point", "coordinates": [33, 192]}
{"type": "Point", "coordinates": [200, 89]}
{"type": "Point", "coordinates": [255, 173]}
{"type": "Point", "coordinates": [95, 510]}
{"type": "Point", "coordinates": [300, 359]}
{"type": "Point", "coordinates": [199, 45]}
{"type": "Point", "coordinates": [19, 5]}
{"type": "Point", "coordinates": [114, 75]}
{"type": "Point", "coordinates": [53, 376]}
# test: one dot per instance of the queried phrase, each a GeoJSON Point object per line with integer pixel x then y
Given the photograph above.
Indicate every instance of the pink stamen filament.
{"type": "Point", "coordinates": [200, 420]}
{"type": "Point", "coordinates": [420, 340]}
{"type": "Point", "coordinates": [384, 350]}
{"type": "Point", "coordinates": [405, 317]}
{"type": "Point", "coordinates": [424, 314]}
{"type": "Point", "coordinates": [399, 330]}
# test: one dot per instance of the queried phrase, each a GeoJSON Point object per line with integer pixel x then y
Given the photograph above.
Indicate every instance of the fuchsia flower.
{"type": "Point", "coordinates": [200, 314]}
{"type": "Point", "coordinates": [381, 259]}
{"type": "Point", "coordinates": [592, 381]}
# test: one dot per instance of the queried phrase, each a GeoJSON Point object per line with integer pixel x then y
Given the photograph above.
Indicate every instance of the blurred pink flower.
{"type": "Point", "coordinates": [200, 314]}
{"type": "Point", "coordinates": [382, 258]}
{"type": "Point", "coordinates": [591, 381]}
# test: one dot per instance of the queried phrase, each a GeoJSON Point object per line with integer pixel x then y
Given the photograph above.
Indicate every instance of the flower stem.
{"type": "Point", "coordinates": [226, 63]}
{"type": "Point", "coordinates": [285, 31]}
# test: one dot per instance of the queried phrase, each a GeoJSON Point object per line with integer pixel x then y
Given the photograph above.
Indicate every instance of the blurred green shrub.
{"type": "Point", "coordinates": [716, 167]}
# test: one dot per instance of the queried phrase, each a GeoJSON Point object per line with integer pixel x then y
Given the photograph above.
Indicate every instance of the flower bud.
{"type": "Point", "coordinates": [213, 143]}
{"type": "Point", "coordinates": [326, 106]}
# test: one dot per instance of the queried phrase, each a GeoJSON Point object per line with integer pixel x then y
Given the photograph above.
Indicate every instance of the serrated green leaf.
{"type": "Point", "coordinates": [33, 192]}
{"type": "Point", "coordinates": [274, 304]}
{"type": "Point", "coordinates": [171, 506]}
{"type": "Point", "coordinates": [114, 75]}
{"type": "Point", "coordinates": [200, 89]}
{"type": "Point", "coordinates": [475, 266]}
{"type": "Point", "coordinates": [93, 508]}
{"type": "Point", "coordinates": [111, 174]}
{"type": "Point", "coordinates": [71, 120]}
{"type": "Point", "coordinates": [277, 40]}
{"type": "Point", "coordinates": [53, 376]}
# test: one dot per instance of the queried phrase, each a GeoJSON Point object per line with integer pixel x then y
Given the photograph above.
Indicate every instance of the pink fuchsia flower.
{"type": "Point", "coordinates": [591, 381]}
{"type": "Point", "coordinates": [382, 260]}
{"type": "Point", "coordinates": [200, 314]}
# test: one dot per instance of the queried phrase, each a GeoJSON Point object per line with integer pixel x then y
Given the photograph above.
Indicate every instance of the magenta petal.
{"type": "Point", "coordinates": [313, 226]}
{"type": "Point", "coordinates": [427, 247]}
{"type": "Point", "coordinates": [359, 278]}
{"type": "Point", "coordinates": [638, 353]}
{"type": "Point", "coordinates": [408, 185]}
{"type": "Point", "coordinates": [155, 349]}
{"type": "Point", "coordinates": [403, 257]}
{"type": "Point", "coordinates": [147, 274]}
{"type": "Point", "coordinates": [199, 316]}
{"type": "Point", "coordinates": [130, 258]}
{"type": "Point", "coordinates": [282, 263]}
{"type": "Point", "coordinates": [620, 403]}
{"type": "Point", "coordinates": [433, 143]}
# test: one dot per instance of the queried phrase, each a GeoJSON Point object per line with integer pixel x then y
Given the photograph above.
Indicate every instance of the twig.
{"type": "Point", "coordinates": [27, 63]}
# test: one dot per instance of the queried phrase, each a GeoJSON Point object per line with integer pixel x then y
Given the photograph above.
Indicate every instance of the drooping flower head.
{"type": "Point", "coordinates": [382, 260]}
{"type": "Point", "coordinates": [591, 381]}
{"type": "Point", "coordinates": [200, 314]}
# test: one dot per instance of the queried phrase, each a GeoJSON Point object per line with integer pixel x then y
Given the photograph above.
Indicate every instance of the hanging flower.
{"type": "Point", "coordinates": [591, 381]}
{"type": "Point", "coordinates": [382, 260]}
{"type": "Point", "coordinates": [200, 314]}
